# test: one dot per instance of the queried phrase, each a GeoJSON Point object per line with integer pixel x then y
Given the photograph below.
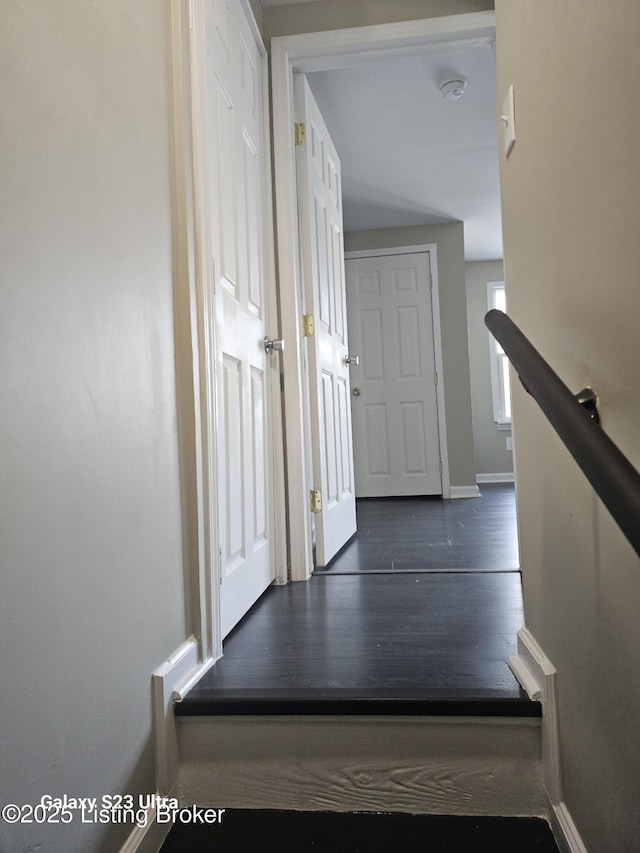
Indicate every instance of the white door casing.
{"type": "Point", "coordinates": [234, 142]}
{"type": "Point", "coordinates": [322, 265]}
{"type": "Point", "coordinates": [394, 400]}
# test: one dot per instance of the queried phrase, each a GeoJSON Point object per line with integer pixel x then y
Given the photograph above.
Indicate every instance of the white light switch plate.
{"type": "Point", "coordinates": [508, 118]}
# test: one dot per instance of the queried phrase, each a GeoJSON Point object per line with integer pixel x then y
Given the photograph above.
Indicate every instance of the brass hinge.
{"type": "Point", "coordinates": [316, 500]}
{"type": "Point", "coordinates": [307, 325]}
{"type": "Point", "coordinates": [299, 132]}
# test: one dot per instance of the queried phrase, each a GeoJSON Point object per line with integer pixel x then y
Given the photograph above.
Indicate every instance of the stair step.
{"type": "Point", "coordinates": [318, 832]}
{"type": "Point", "coordinates": [414, 764]}
{"type": "Point", "coordinates": [328, 701]}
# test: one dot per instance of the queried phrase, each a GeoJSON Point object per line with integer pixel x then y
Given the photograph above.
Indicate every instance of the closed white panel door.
{"type": "Point", "coordinates": [395, 416]}
{"type": "Point", "coordinates": [235, 141]}
{"type": "Point", "coordinates": [322, 259]}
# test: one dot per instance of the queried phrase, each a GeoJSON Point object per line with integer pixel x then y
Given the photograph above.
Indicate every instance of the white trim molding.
{"type": "Point", "coordinates": [538, 677]}
{"type": "Point", "coordinates": [565, 831]}
{"type": "Point", "coordinates": [504, 477]}
{"type": "Point", "coordinates": [170, 682]}
{"type": "Point", "coordinates": [463, 492]}
{"type": "Point", "coordinates": [148, 837]}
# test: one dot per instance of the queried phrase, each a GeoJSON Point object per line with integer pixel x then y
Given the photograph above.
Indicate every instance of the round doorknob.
{"type": "Point", "coordinates": [356, 392]}
{"type": "Point", "coordinates": [277, 345]}
{"type": "Point", "coordinates": [352, 359]}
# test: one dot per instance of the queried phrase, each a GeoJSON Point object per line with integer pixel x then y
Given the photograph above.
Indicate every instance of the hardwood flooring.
{"type": "Point", "coordinates": [373, 643]}
{"type": "Point", "coordinates": [429, 534]}
{"type": "Point", "coordinates": [417, 616]}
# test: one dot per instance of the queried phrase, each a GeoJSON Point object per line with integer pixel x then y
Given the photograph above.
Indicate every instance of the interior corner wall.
{"type": "Point", "coordinates": [571, 207]}
{"type": "Point", "coordinates": [492, 456]}
{"type": "Point", "coordinates": [91, 545]}
{"type": "Point", "coordinates": [449, 239]}
{"type": "Point", "coordinates": [308, 17]}
{"type": "Point", "coordinates": [258, 13]}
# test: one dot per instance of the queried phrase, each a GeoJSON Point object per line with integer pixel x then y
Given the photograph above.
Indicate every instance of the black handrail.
{"type": "Point", "coordinates": [613, 477]}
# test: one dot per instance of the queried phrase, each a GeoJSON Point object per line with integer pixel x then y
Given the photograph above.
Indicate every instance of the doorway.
{"type": "Point", "coordinates": [308, 54]}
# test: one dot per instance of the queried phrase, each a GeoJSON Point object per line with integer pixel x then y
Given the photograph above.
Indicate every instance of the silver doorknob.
{"type": "Point", "coordinates": [356, 392]}
{"type": "Point", "coordinates": [276, 345]}
{"type": "Point", "coordinates": [352, 359]}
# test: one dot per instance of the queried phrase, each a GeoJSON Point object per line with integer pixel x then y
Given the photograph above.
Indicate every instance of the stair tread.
{"type": "Point", "coordinates": [289, 831]}
{"type": "Point", "coordinates": [336, 701]}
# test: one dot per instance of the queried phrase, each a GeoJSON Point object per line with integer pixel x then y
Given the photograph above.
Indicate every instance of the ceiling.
{"type": "Point", "coordinates": [410, 157]}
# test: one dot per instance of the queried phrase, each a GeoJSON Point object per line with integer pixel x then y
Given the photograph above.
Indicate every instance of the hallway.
{"type": "Point", "coordinates": [431, 635]}
{"type": "Point", "coordinates": [427, 534]}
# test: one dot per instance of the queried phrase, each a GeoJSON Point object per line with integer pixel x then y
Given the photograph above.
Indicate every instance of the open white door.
{"type": "Point", "coordinates": [235, 141]}
{"type": "Point", "coordinates": [394, 402]}
{"type": "Point", "coordinates": [322, 262]}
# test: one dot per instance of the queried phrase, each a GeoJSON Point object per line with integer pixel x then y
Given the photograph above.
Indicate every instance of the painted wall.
{"type": "Point", "coordinates": [92, 597]}
{"type": "Point", "coordinates": [492, 456]}
{"type": "Point", "coordinates": [571, 207]}
{"type": "Point", "coordinates": [256, 8]}
{"type": "Point", "coordinates": [288, 19]}
{"type": "Point", "coordinates": [453, 310]}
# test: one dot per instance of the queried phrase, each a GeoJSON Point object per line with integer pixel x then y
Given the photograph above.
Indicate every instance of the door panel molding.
{"type": "Point", "coordinates": [315, 52]}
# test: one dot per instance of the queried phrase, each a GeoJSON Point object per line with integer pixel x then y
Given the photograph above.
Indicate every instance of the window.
{"type": "Point", "coordinates": [500, 385]}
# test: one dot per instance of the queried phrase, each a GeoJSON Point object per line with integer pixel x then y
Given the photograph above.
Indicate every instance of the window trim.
{"type": "Point", "coordinates": [497, 358]}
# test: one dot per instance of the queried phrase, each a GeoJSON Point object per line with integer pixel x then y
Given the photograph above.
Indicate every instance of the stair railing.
{"type": "Point", "coordinates": [575, 419]}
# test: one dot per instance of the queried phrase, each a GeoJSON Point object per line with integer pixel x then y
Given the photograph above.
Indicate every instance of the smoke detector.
{"type": "Point", "coordinates": [452, 89]}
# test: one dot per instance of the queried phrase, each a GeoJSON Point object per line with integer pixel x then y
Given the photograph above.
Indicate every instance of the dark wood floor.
{"type": "Point", "coordinates": [400, 623]}
{"type": "Point", "coordinates": [429, 534]}
{"type": "Point", "coordinates": [320, 832]}
{"type": "Point", "coordinates": [373, 643]}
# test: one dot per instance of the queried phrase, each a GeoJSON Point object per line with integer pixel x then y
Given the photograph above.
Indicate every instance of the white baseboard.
{"type": "Point", "coordinates": [537, 675]}
{"type": "Point", "coordinates": [504, 477]}
{"type": "Point", "coordinates": [565, 831]}
{"type": "Point", "coordinates": [148, 838]}
{"type": "Point", "coordinates": [169, 683]}
{"type": "Point", "coordinates": [464, 492]}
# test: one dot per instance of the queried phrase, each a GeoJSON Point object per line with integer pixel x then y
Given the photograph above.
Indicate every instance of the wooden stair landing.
{"type": "Point", "coordinates": [368, 693]}
{"type": "Point", "coordinates": [417, 644]}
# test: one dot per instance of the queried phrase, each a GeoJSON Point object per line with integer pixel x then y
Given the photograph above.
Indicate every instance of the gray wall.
{"type": "Point", "coordinates": [92, 597]}
{"type": "Point", "coordinates": [453, 310]}
{"type": "Point", "coordinates": [335, 14]}
{"type": "Point", "coordinates": [571, 207]}
{"type": "Point", "coordinates": [492, 456]}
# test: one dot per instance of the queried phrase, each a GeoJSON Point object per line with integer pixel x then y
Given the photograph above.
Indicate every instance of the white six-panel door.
{"type": "Point", "coordinates": [395, 416]}
{"type": "Point", "coordinates": [235, 139]}
{"type": "Point", "coordinates": [322, 261]}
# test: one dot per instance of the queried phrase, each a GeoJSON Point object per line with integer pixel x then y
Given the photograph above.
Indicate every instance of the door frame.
{"type": "Point", "coordinates": [432, 250]}
{"type": "Point", "coordinates": [194, 335]}
{"type": "Point", "coordinates": [317, 52]}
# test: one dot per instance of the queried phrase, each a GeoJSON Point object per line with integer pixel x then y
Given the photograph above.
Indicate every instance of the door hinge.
{"type": "Point", "coordinates": [307, 325]}
{"type": "Point", "coordinates": [220, 564]}
{"type": "Point", "coordinates": [435, 378]}
{"type": "Point", "coordinates": [316, 500]}
{"type": "Point", "coordinates": [441, 470]}
{"type": "Point", "coordinates": [299, 132]}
